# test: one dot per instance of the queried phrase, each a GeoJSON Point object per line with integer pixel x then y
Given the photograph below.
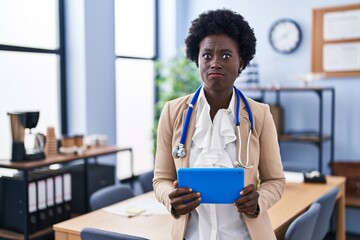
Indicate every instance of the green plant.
{"type": "Point", "coordinates": [175, 78]}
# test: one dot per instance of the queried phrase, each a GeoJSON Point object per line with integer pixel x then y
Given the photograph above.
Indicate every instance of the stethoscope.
{"type": "Point", "coordinates": [179, 150]}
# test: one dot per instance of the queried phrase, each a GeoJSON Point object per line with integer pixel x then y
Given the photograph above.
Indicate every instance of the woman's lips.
{"type": "Point", "coordinates": [216, 74]}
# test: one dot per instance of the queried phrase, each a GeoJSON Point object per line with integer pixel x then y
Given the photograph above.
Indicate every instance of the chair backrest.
{"type": "Point", "coordinates": [303, 226]}
{"type": "Point", "coordinates": [327, 203]}
{"type": "Point", "coordinates": [97, 234]}
{"type": "Point", "coordinates": [109, 195]}
{"type": "Point", "coordinates": [146, 181]}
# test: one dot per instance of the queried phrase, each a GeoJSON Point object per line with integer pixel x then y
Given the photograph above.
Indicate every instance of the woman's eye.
{"type": "Point", "coordinates": [226, 56]}
{"type": "Point", "coordinates": [206, 56]}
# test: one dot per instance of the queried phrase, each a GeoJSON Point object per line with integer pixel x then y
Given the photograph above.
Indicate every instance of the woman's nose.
{"type": "Point", "coordinates": [216, 63]}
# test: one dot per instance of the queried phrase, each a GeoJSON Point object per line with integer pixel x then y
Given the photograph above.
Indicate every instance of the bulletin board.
{"type": "Point", "coordinates": [336, 41]}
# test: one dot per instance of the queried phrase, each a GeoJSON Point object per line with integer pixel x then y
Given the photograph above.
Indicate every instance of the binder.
{"type": "Point", "coordinates": [57, 190]}
{"type": "Point", "coordinates": [13, 215]}
{"type": "Point", "coordinates": [1, 201]}
{"type": "Point", "coordinates": [50, 203]}
{"type": "Point", "coordinates": [41, 204]}
{"type": "Point", "coordinates": [33, 214]}
{"type": "Point", "coordinates": [59, 198]}
{"type": "Point", "coordinates": [67, 195]}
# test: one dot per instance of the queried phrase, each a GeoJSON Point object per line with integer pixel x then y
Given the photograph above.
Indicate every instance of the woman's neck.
{"type": "Point", "coordinates": [217, 101]}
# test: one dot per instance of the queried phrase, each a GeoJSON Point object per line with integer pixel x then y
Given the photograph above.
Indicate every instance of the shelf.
{"type": "Point", "coordinates": [289, 89]}
{"type": "Point", "coordinates": [303, 138]}
{"type": "Point", "coordinates": [11, 235]}
{"type": "Point", "coordinates": [352, 201]}
{"type": "Point", "coordinates": [60, 158]}
{"type": "Point", "coordinates": [29, 166]}
{"type": "Point", "coordinates": [317, 136]}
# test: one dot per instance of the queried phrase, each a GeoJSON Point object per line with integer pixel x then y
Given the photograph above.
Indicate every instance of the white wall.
{"type": "Point", "coordinates": [91, 68]}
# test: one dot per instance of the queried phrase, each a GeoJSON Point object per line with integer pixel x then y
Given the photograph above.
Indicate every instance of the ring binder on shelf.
{"type": "Point", "coordinates": [67, 195]}
{"type": "Point", "coordinates": [50, 200]}
{"type": "Point", "coordinates": [59, 202]}
{"type": "Point", "coordinates": [41, 204]}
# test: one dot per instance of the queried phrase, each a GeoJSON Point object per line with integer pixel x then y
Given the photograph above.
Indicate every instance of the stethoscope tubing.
{"type": "Point", "coordinates": [179, 150]}
{"type": "Point", "coordinates": [188, 116]}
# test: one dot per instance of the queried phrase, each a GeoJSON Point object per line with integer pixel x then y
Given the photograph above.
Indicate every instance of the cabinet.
{"type": "Point", "coordinates": [320, 136]}
{"type": "Point", "coordinates": [27, 168]}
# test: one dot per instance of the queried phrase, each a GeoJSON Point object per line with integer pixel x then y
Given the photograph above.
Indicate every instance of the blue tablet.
{"type": "Point", "coordinates": [216, 185]}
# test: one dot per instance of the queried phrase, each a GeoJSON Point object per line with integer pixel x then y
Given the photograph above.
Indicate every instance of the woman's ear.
{"type": "Point", "coordinates": [241, 66]}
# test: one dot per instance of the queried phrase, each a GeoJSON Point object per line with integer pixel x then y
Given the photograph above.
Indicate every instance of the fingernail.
{"type": "Point", "coordinates": [197, 194]}
{"type": "Point", "coordinates": [241, 193]}
{"type": "Point", "coordinates": [190, 189]}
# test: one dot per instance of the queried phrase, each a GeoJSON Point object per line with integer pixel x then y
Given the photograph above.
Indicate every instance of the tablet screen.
{"type": "Point", "coordinates": [216, 185]}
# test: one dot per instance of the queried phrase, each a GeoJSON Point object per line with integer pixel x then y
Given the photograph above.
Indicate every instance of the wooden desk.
{"type": "Point", "coordinates": [299, 196]}
{"type": "Point", "coordinates": [296, 199]}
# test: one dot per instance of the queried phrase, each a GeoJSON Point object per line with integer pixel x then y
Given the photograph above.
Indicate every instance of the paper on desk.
{"type": "Point", "coordinates": [295, 177]}
{"type": "Point", "coordinates": [139, 208]}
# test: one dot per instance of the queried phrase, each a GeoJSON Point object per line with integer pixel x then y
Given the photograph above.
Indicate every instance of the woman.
{"type": "Point", "coordinates": [221, 43]}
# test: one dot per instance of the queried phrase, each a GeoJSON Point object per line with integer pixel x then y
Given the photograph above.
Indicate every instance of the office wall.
{"type": "Point", "coordinates": [91, 68]}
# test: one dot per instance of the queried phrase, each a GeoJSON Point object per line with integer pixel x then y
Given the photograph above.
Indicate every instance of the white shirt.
{"type": "Point", "coordinates": [213, 145]}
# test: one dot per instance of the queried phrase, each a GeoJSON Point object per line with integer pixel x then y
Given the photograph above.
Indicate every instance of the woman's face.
{"type": "Point", "coordinates": [219, 62]}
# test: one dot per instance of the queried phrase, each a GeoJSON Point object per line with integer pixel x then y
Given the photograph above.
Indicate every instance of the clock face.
{"type": "Point", "coordinates": [285, 36]}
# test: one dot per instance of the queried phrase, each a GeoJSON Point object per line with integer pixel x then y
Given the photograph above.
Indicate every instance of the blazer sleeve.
{"type": "Point", "coordinates": [271, 175]}
{"type": "Point", "coordinates": [164, 170]}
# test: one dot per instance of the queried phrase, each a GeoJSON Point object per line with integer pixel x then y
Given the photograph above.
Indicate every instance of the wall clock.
{"type": "Point", "coordinates": [285, 36]}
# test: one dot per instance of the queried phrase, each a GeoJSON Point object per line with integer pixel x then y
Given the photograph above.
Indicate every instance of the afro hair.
{"type": "Point", "coordinates": [221, 21]}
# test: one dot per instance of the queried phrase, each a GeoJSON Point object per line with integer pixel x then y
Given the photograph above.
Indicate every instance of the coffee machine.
{"type": "Point", "coordinates": [22, 124]}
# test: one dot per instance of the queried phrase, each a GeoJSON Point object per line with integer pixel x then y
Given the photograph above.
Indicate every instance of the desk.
{"type": "Point", "coordinates": [299, 196]}
{"type": "Point", "coordinates": [28, 166]}
{"type": "Point", "coordinates": [296, 199]}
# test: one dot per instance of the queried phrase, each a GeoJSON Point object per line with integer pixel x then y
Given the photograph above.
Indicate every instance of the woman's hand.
{"type": "Point", "coordinates": [183, 200]}
{"type": "Point", "coordinates": [248, 202]}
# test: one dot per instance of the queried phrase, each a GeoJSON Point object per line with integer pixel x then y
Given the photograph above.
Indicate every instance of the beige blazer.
{"type": "Point", "coordinates": [264, 156]}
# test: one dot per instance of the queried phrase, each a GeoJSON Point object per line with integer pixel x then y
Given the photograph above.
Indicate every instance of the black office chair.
{"type": "Point", "coordinates": [97, 234]}
{"type": "Point", "coordinates": [146, 181]}
{"type": "Point", "coordinates": [304, 225]}
{"type": "Point", "coordinates": [327, 203]}
{"type": "Point", "coordinates": [109, 195]}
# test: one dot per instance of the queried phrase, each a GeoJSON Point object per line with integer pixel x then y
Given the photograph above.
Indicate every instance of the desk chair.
{"type": "Point", "coordinates": [304, 225]}
{"type": "Point", "coordinates": [109, 195]}
{"type": "Point", "coordinates": [146, 181]}
{"type": "Point", "coordinates": [327, 203]}
{"type": "Point", "coordinates": [97, 234]}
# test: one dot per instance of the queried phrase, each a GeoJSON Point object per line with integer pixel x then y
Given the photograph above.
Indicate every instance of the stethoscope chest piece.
{"type": "Point", "coordinates": [179, 151]}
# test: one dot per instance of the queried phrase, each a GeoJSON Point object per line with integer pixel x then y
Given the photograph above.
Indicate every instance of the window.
{"type": "Point", "coordinates": [135, 46]}
{"type": "Point", "coordinates": [31, 64]}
